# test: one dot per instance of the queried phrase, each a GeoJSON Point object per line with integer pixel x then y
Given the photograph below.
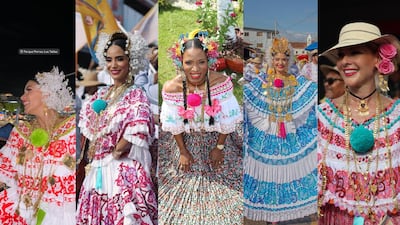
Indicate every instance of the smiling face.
{"type": "Point", "coordinates": [280, 62]}
{"type": "Point", "coordinates": [195, 65]}
{"type": "Point", "coordinates": [117, 64]}
{"type": "Point", "coordinates": [32, 98]}
{"type": "Point", "coordinates": [357, 65]}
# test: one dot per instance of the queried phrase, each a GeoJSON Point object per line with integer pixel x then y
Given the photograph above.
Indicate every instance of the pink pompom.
{"type": "Point", "coordinates": [278, 83]}
{"type": "Point", "coordinates": [194, 100]}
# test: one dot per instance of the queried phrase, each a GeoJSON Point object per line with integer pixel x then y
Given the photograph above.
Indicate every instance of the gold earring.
{"type": "Point", "coordinates": [46, 113]}
{"type": "Point", "coordinates": [129, 78]}
{"type": "Point", "coordinates": [383, 83]}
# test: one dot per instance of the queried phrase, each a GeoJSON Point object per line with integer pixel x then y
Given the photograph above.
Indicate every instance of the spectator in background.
{"type": "Point", "coordinates": [310, 69]}
{"type": "Point", "coordinates": [333, 82]}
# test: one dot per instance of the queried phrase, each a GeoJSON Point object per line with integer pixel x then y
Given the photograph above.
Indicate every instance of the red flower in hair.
{"type": "Point", "coordinates": [385, 66]}
{"type": "Point", "coordinates": [387, 51]}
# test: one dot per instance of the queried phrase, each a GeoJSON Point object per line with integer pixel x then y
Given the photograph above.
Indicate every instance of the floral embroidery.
{"type": "Point", "coordinates": [186, 114]}
{"type": "Point", "coordinates": [214, 109]}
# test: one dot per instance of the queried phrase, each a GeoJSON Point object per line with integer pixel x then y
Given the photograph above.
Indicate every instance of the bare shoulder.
{"type": "Point", "coordinates": [217, 78]}
{"type": "Point", "coordinates": [174, 85]}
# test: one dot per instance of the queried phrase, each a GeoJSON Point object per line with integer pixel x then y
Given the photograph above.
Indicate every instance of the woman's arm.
{"type": "Point", "coordinates": [121, 147]}
{"type": "Point", "coordinates": [217, 153]}
{"type": "Point", "coordinates": [185, 158]}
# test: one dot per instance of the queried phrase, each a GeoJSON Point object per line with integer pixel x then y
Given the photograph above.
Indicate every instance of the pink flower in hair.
{"type": "Point", "coordinates": [387, 51]}
{"type": "Point", "coordinates": [278, 83]}
{"type": "Point", "coordinates": [385, 66]}
{"type": "Point", "coordinates": [194, 100]}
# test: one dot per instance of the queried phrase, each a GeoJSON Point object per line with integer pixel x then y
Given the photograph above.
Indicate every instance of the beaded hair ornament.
{"type": "Point", "coordinates": [136, 49]}
{"type": "Point", "coordinates": [209, 46]}
{"type": "Point", "coordinates": [54, 87]}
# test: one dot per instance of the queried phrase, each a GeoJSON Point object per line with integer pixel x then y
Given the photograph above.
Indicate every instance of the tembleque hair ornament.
{"type": "Point", "coordinates": [209, 45]}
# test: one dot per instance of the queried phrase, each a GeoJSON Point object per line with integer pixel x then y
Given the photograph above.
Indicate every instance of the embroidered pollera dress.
{"type": "Point", "coordinates": [118, 191]}
{"type": "Point", "coordinates": [280, 128]}
{"type": "Point", "coordinates": [382, 181]}
{"type": "Point", "coordinates": [49, 171]}
{"type": "Point", "coordinates": [202, 195]}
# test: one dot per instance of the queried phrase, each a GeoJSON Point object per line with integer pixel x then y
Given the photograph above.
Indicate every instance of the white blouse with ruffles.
{"type": "Point", "coordinates": [224, 121]}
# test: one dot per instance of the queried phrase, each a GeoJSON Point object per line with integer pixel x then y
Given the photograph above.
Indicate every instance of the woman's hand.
{"type": "Point", "coordinates": [185, 160]}
{"type": "Point", "coordinates": [216, 158]}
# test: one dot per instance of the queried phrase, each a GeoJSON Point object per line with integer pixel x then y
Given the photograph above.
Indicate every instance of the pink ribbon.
{"type": "Point", "coordinates": [186, 114]}
{"type": "Point", "coordinates": [282, 130]}
{"type": "Point", "coordinates": [214, 109]}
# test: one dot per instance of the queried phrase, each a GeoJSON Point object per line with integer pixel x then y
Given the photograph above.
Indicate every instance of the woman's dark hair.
{"type": "Point", "coordinates": [193, 43]}
{"type": "Point", "coordinates": [119, 39]}
{"type": "Point", "coordinates": [196, 43]}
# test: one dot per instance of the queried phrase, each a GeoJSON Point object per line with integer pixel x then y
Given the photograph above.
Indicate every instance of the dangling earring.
{"type": "Point", "coordinates": [129, 78]}
{"type": "Point", "coordinates": [46, 113]}
{"type": "Point", "coordinates": [383, 83]}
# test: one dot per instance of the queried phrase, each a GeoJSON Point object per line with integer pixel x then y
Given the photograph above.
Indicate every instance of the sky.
{"type": "Point", "coordinates": [294, 19]}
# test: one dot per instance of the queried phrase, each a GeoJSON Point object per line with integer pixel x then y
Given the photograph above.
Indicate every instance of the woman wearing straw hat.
{"type": "Point", "coordinates": [359, 146]}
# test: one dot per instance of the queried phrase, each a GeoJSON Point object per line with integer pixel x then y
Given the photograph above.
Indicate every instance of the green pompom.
{"type": "Point", "coordinates": [39, 137]}
{"type": "Point", "coordinates": [361, 140]}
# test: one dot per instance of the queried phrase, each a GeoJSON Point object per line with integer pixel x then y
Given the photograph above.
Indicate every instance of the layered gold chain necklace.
{"type": "Point", "coordinates": [279, 91]}
{"type": "Point", "coordinates": [111, 97]}
{"type": "Point", "coordinates": [30, 180]}
{"type": "Point", "coordinates": [365, 187]}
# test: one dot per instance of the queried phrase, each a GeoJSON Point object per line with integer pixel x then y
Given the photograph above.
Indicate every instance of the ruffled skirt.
{"type": "Point", "coordinates": [202, 195]}
{"type": "Point", "coordinates": [122, 194]}
{"type": "Point", "coordinates": [334, 216]}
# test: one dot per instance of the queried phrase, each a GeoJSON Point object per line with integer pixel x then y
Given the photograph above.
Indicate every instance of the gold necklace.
{"type": "Point", "coordinates": [114, 93]}
{"type": "Point", "coordinates": [372, 185]}
{"type": "Point", "coordinates": [280, 98]}
{"type": "Point", "coordinates": [112, 96]}
{"type": "Point", "coordinates": [27, 187]}
{"type": "Point", "coordinates": [372, 189]}
{"type": "Point", "coordinates": [204, 97]}
{"type": "Point", "coordinates": [362, 108]}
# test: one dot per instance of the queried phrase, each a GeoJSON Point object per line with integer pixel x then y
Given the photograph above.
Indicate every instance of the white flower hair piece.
{"type": "Point", "coordinates": [55, 90]}
{"type": "Point", "coordinates": [137, 51]}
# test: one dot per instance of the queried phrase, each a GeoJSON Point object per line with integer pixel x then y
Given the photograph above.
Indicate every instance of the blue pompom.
{"type": "Point", "coordinates": [99, 105]}
{"type": "Point", "coordinates": [361, 140]}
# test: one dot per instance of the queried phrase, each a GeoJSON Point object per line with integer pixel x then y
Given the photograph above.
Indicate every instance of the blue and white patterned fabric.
{"type": "Point", "coordinates": [280, 174]}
